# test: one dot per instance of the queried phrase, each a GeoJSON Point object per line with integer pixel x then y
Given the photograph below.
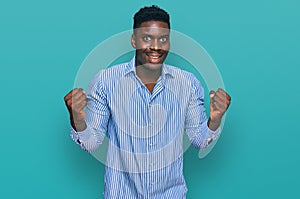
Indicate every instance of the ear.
{"type": "Point", "coordinates": [133, 41]}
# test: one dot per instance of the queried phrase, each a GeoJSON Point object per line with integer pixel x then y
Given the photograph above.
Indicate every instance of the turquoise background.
{"type": "Point", "coordinates": [255, 45]}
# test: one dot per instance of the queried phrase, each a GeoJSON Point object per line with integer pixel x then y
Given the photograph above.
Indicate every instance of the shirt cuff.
{"type": "Point", "coordinates": [80, 136]}
{"type": "Point", "coordinates": [212, 135]}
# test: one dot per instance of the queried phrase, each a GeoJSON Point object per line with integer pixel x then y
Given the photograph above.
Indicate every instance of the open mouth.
{"type": "Point", "coordinates": [154, 57]}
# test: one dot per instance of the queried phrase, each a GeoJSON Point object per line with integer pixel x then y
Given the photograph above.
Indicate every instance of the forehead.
{"type": "Point", "coordinates": [153, 28]}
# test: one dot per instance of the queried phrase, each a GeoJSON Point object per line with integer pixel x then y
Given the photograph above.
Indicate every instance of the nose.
{"type": "Point", "coordinates": [155, 45]}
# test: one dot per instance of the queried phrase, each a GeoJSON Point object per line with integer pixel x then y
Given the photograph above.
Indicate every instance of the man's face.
{"type": "Point", "coordinates": [152, 44]}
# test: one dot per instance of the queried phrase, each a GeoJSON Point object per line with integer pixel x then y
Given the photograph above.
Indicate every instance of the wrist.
{"type": "Point", "coordinates": [78, 125]}
{"type": "Point", "coordinates": [213, 124]}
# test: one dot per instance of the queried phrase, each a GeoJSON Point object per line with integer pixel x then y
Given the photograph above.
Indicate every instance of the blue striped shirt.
{"type": "Point", "coordinates": [145, 130]}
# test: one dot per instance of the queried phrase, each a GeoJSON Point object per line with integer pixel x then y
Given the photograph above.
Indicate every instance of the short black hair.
{"type": "Point", "coordinates": [150, 13]}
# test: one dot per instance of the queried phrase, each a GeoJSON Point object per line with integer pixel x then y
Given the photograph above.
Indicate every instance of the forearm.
{"type": "Point", "coordinates": [88, 127]}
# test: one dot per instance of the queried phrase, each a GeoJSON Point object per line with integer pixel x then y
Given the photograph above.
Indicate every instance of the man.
{"type": "Point", "coordinates": [144, 107]}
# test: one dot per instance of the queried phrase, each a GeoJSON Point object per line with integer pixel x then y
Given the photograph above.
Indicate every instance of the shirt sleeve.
{"type": "Point", "coordinates": [196, 126]}
{"type": "Point", "coordinates": [97, 116]}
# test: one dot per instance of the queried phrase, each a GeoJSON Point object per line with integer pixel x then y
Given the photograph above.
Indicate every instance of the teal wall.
{"type": "Point", "coordinates": [255, 45]}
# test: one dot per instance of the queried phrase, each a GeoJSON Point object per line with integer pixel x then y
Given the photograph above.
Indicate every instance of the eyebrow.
{"type": "Point", "coordinates": [151, 35]}
{"type": "Point", "coordinates": [165, 35]}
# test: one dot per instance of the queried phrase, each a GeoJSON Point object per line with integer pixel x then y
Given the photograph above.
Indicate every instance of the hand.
{"type": "Point", "coordinates": [219, 103]}
{"type": "Point", "coordinates": [76, 101]}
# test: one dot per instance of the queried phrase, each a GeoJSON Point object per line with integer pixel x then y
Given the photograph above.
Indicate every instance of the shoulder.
{"type": "Point", "coordinates": [113, 72]}
{"type": "Point", "coordinates": [183, 76]}
{"type": "Point", "coordinates": [109, 75]}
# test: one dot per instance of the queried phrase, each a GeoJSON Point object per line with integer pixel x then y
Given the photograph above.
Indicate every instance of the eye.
{"type": "Point", "coordinates": [164, 38]}
{"type": "Point", "coordinates": [146, 38]}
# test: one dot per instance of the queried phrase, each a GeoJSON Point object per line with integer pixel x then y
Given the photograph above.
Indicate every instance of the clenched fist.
{"type": "Point", "coordinates": [76, 101]}
{"type": "Point", "coordinates": [219, 103]}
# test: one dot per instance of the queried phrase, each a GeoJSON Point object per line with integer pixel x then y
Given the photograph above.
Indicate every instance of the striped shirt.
{"type": "Point", "coordinates": [145, 130]}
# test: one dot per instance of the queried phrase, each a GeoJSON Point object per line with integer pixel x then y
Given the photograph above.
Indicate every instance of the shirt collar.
{"type": "Point", "coordinates": [130, 68]}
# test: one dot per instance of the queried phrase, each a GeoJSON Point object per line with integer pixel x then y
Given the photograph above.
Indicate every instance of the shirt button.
{"type": "Point", "coordinates": [152, 182]}
{"type": "Point", "coordinates": [151, 144]}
